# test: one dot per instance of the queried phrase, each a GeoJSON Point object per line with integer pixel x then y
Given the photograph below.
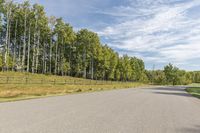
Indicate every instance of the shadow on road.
{"type": "Point", "coordinates": [176, 94]}
{"type": "Point", "coordinates": [169, 89]}
{"type": "Point", "coordinates": [195, 129]}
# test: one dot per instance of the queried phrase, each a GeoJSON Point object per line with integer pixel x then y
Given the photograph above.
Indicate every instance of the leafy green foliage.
{"type": "Point", "coordinates": [38, 44]}
{"type": "Point", "coordinates": [175, 76]}
{"type": "Point", "coordinates": [33, 42]}
{"type": "Point", "coordinates": [196, 76]}
{"type": "Point", "coordinates": [171, 75]}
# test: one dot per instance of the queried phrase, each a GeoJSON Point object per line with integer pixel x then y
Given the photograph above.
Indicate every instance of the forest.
{"type": "Point", "coordinates": [31, 41]}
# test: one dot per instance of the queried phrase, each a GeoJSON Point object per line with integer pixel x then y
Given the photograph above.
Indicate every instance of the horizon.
{"type": "Point", "coordinates": [159, 32]}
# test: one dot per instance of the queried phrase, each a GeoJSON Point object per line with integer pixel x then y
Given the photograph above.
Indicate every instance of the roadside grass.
{"type": "Point", "coordinates": [195, 85]}
{"type": "Point", "coordinates": [195, 91]}
{"type": "Point", "coordinates": [14, 91]}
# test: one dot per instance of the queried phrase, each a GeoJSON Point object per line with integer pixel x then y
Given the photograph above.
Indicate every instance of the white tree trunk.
{"type": "Point", "coordinates": [15, 45]}
{"type": "Point", "coordinates": [84, 61]}
{"type": "Point", "coordinates": [29, 41]}
{"type": "Point", "coordinates": [24, 42]}
{"type": "Point", "coordinates": [34, 47]}
{"type": "Point", "coordinates": [37, 54]}
{"type": "Point", "coordinates": [56, 57]}
{"type": "Point", "coordinates": [8, 46]}
{"type": "Point", "coordinates": [50, 54]}
{"type": "Point", "coordinates": [7, 35]}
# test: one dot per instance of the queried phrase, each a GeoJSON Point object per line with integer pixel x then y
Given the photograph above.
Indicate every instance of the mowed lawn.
{"type": "Point", "coordinates": [18, 86]}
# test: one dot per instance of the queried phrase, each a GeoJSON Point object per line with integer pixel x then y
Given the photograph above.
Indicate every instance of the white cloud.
{"type": "Point", "coordinates": [163, 28]}
{"type": "Point", "coordinates": [159, 31]}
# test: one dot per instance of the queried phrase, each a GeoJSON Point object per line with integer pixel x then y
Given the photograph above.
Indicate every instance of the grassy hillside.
{"type": "Point", "coordinates": [17, 86]}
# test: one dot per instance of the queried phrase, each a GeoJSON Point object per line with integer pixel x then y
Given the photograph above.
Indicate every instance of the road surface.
{"type": "Point", "coordinates": [155, 110]}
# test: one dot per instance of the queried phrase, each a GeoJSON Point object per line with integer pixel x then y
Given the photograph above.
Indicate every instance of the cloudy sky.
{"type": "Point", "coordinates": [158, 31]}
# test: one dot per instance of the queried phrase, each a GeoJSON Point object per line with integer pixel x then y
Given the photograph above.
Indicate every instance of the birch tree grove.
{"type": "Point", "coordinates": [31, 41]}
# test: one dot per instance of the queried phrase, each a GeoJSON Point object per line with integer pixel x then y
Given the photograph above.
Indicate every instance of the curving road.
{"type": "Point", "coordinates": [153, 110]}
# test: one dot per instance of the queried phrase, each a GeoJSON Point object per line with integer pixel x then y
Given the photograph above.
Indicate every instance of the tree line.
{"type": "Point", "coordinates": [30, 41]}
{"type": "Point", "coordinates": [33, 42]}
{"type": "Point", "coordinates": [172, 75]}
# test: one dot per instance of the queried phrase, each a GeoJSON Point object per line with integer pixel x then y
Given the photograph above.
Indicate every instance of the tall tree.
{"type": "Point", "coordinates": [88, 43]}
{"type": "Point", "coordinates": [52, 23]}
{"type": "Point", "coordinates": [8, 8]}
{"type": "Point", "coordinates": [171, 73]}
{"type": "Point", "coordinates": [25, 7]}
{"type": "Point", "coordinates": [1, 13]}
{"type": "Point", "coordinates": [31, 41]}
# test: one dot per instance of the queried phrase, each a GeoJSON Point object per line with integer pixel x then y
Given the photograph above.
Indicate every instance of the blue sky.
{"type": "Point", "coordinates": [158, 31]}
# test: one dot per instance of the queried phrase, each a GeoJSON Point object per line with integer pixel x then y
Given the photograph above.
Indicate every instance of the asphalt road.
{"type": "Point", "coordinates": [155, 110]}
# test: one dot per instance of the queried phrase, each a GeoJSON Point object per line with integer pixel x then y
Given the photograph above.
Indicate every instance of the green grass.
{"type": "Point", "coordinates": [195, 85]}
{"type": "Point", "coordinates": [19, 89]}
{"type": "Point", "coordinates": [195, 91]}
